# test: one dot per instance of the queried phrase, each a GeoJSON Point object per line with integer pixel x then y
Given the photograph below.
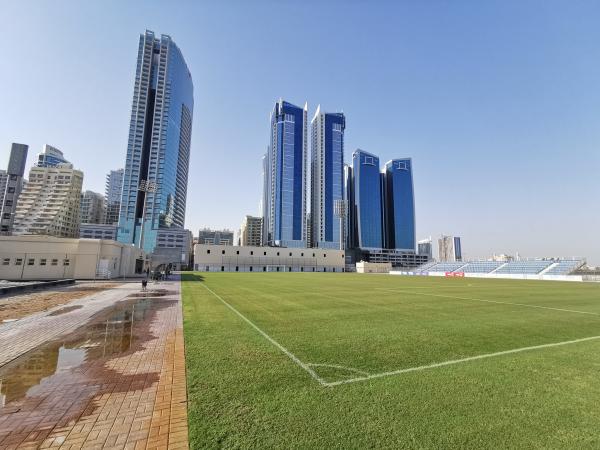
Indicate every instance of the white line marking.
{"type": "Point", "coordinates": [337, 366]}
{"type": "Point", "coordinates": [271, 340]}
{"type": "Point", "coordinates": [458, 361]}
{"type": "Point", "coordinates": [489, 301]}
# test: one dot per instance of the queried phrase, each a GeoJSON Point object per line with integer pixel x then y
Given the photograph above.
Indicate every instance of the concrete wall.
{"type": "Point", "coordinates": [368, 267]}
{"type": "Point", "coordinates": [51, 258]}
{"type": "Point", "coordinates": [509, 276]}
{"type": "Point", "coordinates": [226, 258]}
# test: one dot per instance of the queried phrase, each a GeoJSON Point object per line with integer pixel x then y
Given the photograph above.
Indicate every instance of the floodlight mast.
{"type": "Point", "coordinates": [146, 186]}
{"type": "Point", "coordinates": [340, 211]}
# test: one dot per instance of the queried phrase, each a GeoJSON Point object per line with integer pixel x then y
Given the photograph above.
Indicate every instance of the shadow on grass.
{"type": "Point", "coordinates": [191, 277]}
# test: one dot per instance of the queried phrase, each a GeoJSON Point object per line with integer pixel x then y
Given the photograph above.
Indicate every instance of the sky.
{"type": "Point", "coordinates": [497, 102]}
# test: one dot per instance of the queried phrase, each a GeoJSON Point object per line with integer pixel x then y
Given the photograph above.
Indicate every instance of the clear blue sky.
{"type": "Point", "coordinates": [498, 103]}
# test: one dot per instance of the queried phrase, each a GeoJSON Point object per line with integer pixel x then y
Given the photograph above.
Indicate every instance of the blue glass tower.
{"type": "Point", "coordinates": [366, 203]}
{"type": "Point", "coordinates": [399, 205]}
{"type": "Point", "coordinates": [158, 149]}
{"type": "Point", "coordinates": [284, 208]}
{"type": "Point", "coordinates": [327, 175]}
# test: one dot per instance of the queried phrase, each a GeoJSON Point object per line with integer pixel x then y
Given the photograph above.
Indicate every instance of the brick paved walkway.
{"type": "Point", "coordinates": [109, 373]}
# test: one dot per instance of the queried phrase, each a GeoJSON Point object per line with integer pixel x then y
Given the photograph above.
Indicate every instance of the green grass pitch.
{"type": "Point", "coordinates": [377, 361]}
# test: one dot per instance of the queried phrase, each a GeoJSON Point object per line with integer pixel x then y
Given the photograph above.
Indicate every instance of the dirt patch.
{"type": "Point", "coordinates": [22, 305]}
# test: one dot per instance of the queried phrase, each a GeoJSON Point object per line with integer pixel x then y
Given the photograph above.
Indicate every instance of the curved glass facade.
{"type": "Point", "coordinates": [400, 204]}
{"type": "Point", "coordinates": [367, 187]}
{"type": "Point", "coordinates": [159, 143]}
{"type": "Point", "coordinates": [285, 177]}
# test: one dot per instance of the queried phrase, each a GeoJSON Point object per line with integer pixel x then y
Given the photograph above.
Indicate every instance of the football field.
{"type": "Point", "coordinates": [377, 361]}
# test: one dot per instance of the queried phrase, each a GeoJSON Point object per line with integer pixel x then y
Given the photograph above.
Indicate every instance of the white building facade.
{"type": "Point", "coordinates": [49, 203]}
{"type": "Point", "coordinates": [224, 258]}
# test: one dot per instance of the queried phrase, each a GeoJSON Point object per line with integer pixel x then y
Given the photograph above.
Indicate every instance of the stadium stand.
{"type": "Point", "coordinates": [526, 267]}
{"type": "Point", "coordinates": [565, 267]}
{"type": "Point", "coordinates": [481, 266]}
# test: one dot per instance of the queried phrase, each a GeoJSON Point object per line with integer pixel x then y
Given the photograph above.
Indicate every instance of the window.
{"type": "Point", "coordinates": [313, 255]}
{"type": "Point", "coordinates": [6, 261]}
{"type": "Point", "coordinates": [237, 269]}
{"type": "Point", "coordinates": [10, 190]}
{"type": "Point", "coordinates": [265, 253]}
{"type": "Point", "coordinates": [30, 261]}
{"type": "Point", "coordinates": [277, 268]}
{"type": "Point", "coordinates": [237, 252]}
{"type": "Point", "coordinates": [301, 269]}
{"type": "Point", "coordinates": [289, 269]}
{"type": "Point", "coordinates": [402, 165]}
{"type": "Point", "coordinates": [18, 261]}
{"type": "Point", "coordinates": [252, 253]}
{"type": "Point", "coordinates": [302, 254]}
{"type": "Point", "coordinates": [208, 252]}
{"type": "Point", "coordinates": [222, 252]}
{"type": "Point", "coordinates": [43, 262]}
{"type": "Point", "coordinates": [369, 160]}
{"type": "Point", "coordinates": [250, 268]}
{"type": "Point", "coordinates": [277, 253]}
{"type": "Point", "coordinates": [290, 253]}
{"type": "Point", "coordinates": [222, 268]}
{"type": "Point", "coordinates": [324, 255]}
{"type": "Point", "coordinates": [264, 269]}
{"type": "Point", "coordinates": [207, 269]}
{"type": "Point", "coordinates": [54, 262]}
{"type": "Point", "coordinates": [66, 262]}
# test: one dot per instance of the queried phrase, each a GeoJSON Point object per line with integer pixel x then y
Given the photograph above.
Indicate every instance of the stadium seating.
{"type": "Point", "coordinates": [481, 266]}
{"type": "Point", "coordinates": [524, 267]}
{"type": "Point", "coordinates": [564, 267]}
{"type": "Point", "coordinates": [446, 266]}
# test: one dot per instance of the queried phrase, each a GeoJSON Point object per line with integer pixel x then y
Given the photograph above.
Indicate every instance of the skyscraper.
{"type": "Point", "coordinates": [327, 177]}
{"type": "Point", "coordinates": [158, 150]}
{"type": "Point", "coordinates": [284, 212]}
{"type": "Point", "coordinates": [399, 207]}
{"type": "Point", "coordinates": [112, 193]}
{"type": "Point", "coordinates": [11, 185]}
{"type": "Point", "coordinates": [92, 208]}
{"type": "Point", "coordinates": [449, 248]}
{"type": "Point", "coordinates": [251, 231]}
{"type": "Point", "coordinates": [366, 198]}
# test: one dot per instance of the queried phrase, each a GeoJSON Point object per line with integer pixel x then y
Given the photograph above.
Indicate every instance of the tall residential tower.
{"type": "Point", "coordinates": [327, 177]}
{"type": "Point", "coordinates": [284, 209]}
{"type": "Point", "coordinates": [158, 150]}
{"type": "Point", "coordinates": [11, 184]}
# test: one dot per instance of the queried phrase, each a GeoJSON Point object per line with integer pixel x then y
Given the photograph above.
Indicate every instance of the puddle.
{"type": "Point", "coordinates": [76, 361]}
{"type": "Point", "coordinates": [65, 310]}
{"type": "Point", "coordinates": [152, 293]}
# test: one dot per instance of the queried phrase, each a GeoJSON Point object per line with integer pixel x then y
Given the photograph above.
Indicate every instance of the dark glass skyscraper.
{"type": "Point", "coordinates": [284, 199]}
{"type": "Point", "coordinates": [366, 201]}
{"type": "Point", "coordinates": [158, 149]}
{"type": "Point", "coordinates": [399, 205]}
{"type": "Point", "coordinates": [327, 177]}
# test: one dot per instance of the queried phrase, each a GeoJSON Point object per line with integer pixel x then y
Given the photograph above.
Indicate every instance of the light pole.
{"type": "Point", "coordinates": [146, 187]}
{"type": "Point", "coordinates": [340, 211]}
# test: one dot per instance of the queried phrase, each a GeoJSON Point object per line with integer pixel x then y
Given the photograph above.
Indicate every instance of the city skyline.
{"type": "Point", "coordinates": [525, 137]}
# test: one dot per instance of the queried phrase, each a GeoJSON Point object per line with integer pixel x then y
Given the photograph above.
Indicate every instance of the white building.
{"type": "Point", "coordinates": [52, 258]}
{"type": "Point", "coordinates": [225, 258]}
{"type": "Point", "coordinates": [49, 202]}
{"type": "Point", "coordinates": [449, 249]}
{"type": "Point", "coordinates": [251, 231]}
{"type": "Point", "coordinates": [327, 178]}
{"type": "Point", "coordinates": [92, 207]}
{"type": "Point", "coordinates": [98, 231]}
